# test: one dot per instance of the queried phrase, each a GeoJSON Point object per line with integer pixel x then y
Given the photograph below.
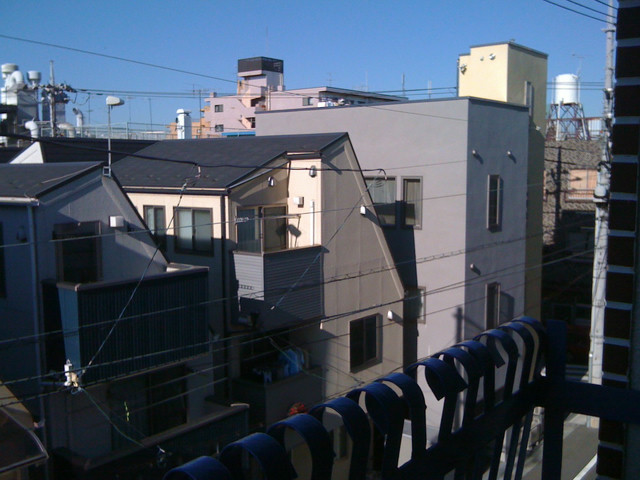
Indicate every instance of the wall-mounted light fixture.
{"type": "Point", "coordinates": [271, 182]}
{"type": "Point", "coordinates": [312, 171]}
{"type": "Point", "coordinates": [363, 210]}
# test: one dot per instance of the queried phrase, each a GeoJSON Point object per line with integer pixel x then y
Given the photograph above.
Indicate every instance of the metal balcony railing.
{"type": "Point", "coordinates": [516, 368]}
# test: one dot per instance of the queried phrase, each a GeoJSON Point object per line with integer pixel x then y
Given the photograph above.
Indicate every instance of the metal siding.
{"type": "Point", "coordinates": [250, 275]}
{"type": "Point", "coordinates": [166, 321]}
{"type": "Point", "coordinates": [293, 280]}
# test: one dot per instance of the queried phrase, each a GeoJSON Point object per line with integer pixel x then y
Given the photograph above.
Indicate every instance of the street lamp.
{"type": "Point", "coordinates": [111, 102]}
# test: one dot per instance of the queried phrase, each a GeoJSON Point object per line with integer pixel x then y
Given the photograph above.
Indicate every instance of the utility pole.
{"type": "Point", "coordinates": [601, 199]}
{"type": "Point", "coordinates": [54, 93]}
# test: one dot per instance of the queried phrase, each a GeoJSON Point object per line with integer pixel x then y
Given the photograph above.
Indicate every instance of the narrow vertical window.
{"type": "Point", "coordinates": [364, 342]}
{"type": "Point", "coordinates": [154, 217]}
{"type": "Point", "coordinates": [383, 195]}
{"type": "Point", "coordinates": [3, 280]}
{"type": "Point", "coordinates": [412, 202]}
{"type": "Point", "coordinates": [492, 307]}
{"type": "Point", "coordinates": [494, 200]}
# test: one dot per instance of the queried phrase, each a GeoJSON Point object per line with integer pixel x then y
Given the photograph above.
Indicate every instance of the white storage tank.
{"type": "Point", "coordinates": [567, 88]}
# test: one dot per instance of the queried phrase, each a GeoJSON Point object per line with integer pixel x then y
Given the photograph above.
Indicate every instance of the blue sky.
{"type": "Point", "coordinates": [349, 44]}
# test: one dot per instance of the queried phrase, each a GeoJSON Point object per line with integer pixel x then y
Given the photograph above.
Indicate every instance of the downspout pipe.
{"type": "Point", "coordinates": [36, 296]}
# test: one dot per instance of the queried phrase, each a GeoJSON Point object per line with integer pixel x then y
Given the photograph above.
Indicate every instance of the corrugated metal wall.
{"type": "Point", "coordinates": [166, 321]}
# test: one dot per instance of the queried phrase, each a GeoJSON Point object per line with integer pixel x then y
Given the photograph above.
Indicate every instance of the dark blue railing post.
{"type": "Point", "coordinates": [554, 411]}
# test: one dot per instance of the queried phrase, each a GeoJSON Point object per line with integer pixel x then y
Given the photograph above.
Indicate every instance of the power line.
{"type": "Point", "coordinates": [337, 278]}
{"type": "Point", "coordinates": [605, 4]}
{"type": "Point", "coordinates": [575, 11]}
{"type": "Point", "coordinates": [455, 285]}
{"type": "Point", "coordinates": [591, 9]}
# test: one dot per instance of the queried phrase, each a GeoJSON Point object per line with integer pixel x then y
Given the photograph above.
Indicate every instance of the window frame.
{"type": "Point", "coordinates": [493, 295]}
{"type": "Point", "coordinates": [193, 250]}
{"type": "Point", "coordinates": [413, 295]}
{"type": "Point", "coordinates": [259, 219]}
{"type": "Point", "coordinates": [581, 194]}
{"type": "Point", "coordinates": [419, 203]}
{"type": "Point", "coordinates": [159, 238]}
{"type": "Point", "coordinates": [494, 204]}
{"type": "Point", "coordinates": [89, 233]}
{"type": "Point", "coordinates": [3, 272]}
{"type": "Point", "coordinates": [218, 108]}
{"type": "Point", "coordinates": [218, 127]}
{"type": "Point", "coordinates": [370, 323]}
{"type": "Point", "coordinates": [377, 205]}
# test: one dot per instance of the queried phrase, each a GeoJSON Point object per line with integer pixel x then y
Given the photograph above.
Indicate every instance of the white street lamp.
{"type": "Point", "coordinates": [111, 102]}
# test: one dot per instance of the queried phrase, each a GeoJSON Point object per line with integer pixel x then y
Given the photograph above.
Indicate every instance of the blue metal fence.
{"type": "Point", "coordinates": [489, 389]}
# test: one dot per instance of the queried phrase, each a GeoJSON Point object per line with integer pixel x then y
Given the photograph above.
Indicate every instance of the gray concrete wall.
{"type": "Point", "coordinates": [497, 254]}
{"type": "Point", "coordinates": [429, 140]}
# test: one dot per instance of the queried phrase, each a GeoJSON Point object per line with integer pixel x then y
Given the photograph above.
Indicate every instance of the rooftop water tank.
{"type": "Point", "coordinates": [566, 89]}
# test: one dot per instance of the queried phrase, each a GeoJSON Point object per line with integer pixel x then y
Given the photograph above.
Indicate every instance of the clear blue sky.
{"type": "Point", "coordinates": [348, 44]}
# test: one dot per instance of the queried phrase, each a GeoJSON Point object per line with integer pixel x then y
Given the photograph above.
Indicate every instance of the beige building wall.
{"type": "Point", "coordinates": [512, 73]}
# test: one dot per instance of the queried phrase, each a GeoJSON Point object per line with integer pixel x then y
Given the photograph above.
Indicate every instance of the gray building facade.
{"type": "Point", "coordinates": [448, 179]}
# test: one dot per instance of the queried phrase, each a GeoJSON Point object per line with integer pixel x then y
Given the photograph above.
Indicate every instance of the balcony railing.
{"type": "Point", "coordinates": [280, 288]}
{"type": "Point", "coordinates": [520, 366]}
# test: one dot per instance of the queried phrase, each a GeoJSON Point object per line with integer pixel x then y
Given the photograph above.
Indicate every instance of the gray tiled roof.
{"type": "Point", "coordinates": [88, 149]}
{"type": "Point", "coordinates": [33, 180]}
{"type": "Point", "coordinates": [232, 159]}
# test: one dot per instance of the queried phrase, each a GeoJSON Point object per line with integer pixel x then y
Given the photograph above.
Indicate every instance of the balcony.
{"type": "Point", "coordinates": [279, 288]}
{"type": "Point", "coordinates": [271, 400]}
{"type": "Point", "coordinates": [165, 321]}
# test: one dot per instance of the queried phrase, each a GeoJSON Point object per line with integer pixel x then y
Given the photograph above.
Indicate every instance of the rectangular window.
{"type": "Point", "coordinates": [364, 342]}
{"type": "Point", "coordinates": [383, 194]}
{"type": "Point", "coordinates": [492, 306]}
{"type": "Point", "coordinates": [219, 108]}
{"type": "Point", "coordinates": [582, 183]}
{"type": "Point", "coordinates": [78, 253]}
{"type": "Point", "coordinates": [415, 304]}
{"type": "Point", "coordinates": [148, 404]}
{"type": "Point", "coordinates": [412, 202]}
{"type": "Point", "coordinates": [529, 96]}
{"type": "Point", "coordinates": [3, 278]}
{"type": "Point", "coordinates": [219, 127]}
{"type": "Point", "coordinates": [494, 202]}
{"type": "Point", "coordinates": [307, 101]}
{"type": "Point", "coordinates": [154, 217]}
{"type": "Point", "coordinates": [193, 230]}
{"type": "Point", "coordinates": [261, 229]}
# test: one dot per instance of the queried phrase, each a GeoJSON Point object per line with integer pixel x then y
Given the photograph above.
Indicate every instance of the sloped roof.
{"type": "Point", "coordinates": [169, 163]}
{"type": "Point", "coordinates": [62, 149]}
{"type": "Point", "coordinates": [34, 180]}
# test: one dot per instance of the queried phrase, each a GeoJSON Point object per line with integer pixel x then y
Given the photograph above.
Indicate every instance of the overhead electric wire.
{"type": "Point", "coordinates": [251, 335]}
{"type": "Point", "coordinates": [605, 4]}
{"type": "Point", "coordinates": [337, 278]}
{"type": "Point", "coordinates": [576, 11]}
{"type": "Point", "coordinates": [591, 9]}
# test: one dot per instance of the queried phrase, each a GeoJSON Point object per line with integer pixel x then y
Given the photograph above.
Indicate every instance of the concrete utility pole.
{"type": "Point", "coordinates": [54, 93]}
{"type": "Point", "coordinates": [601, 199]}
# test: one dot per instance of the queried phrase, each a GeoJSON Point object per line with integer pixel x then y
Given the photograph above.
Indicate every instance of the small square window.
{"type": "Point", "coordinates": [219, 108]}
{"type": "Point", "coordinates": [219, 127]}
